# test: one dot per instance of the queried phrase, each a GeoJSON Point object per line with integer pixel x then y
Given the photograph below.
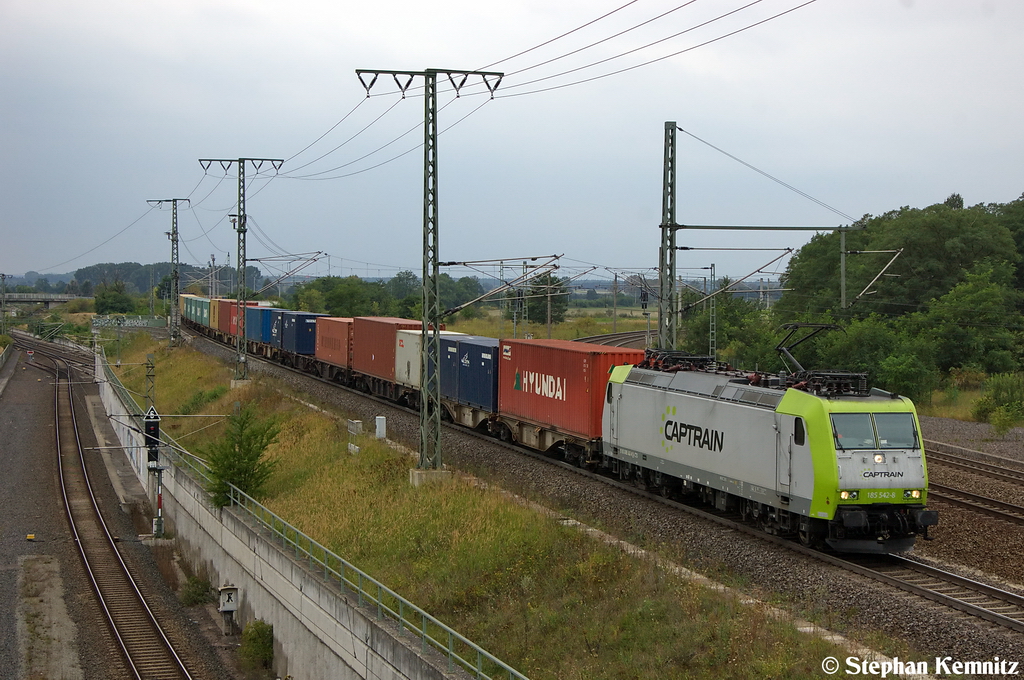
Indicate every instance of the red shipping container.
{"type": "Point", "coordinates": [225, 312]}
{"type": "Point", "coordinates": [334, 340]}
{"type": "Point", "coordinates": [373, 344]}
{"type": "Point", "coordinates": [558, 384]}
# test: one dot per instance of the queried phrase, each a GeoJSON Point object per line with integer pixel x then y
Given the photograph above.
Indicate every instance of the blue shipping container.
{"type": "Point", "coordinates": [450, 367]}
{"type": "Point", "coordinates": [299, 332]}
{"type": "Point", "coordinates": [478, 372]}
{"type": "Point", "coordinates": [252, 323]}
{"type": "Point", "coordinates": [258, 323]}
{"type": "Point", "coordinates": [276, 326]}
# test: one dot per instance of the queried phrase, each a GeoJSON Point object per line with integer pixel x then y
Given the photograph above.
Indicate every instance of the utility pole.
{"type": "Point", "coordinates": [174, 314]}
{"type": "Point", "coordinates": [241, 367]}
{"type": "Point", "coordinates": [668, 335]}
{"type": "Point", "coordinates": [213, 272]}
{"type": "Point", "coordinates": [150, 382]}
{"type": "Point", "coordinates": [3, 304]}
{"type": "Point", "coordinates": [713, 323]}
{"type": "Point", "coordinates": [430, 387]}
{"type": "Point", "coordinates": [667, 327]}
{"type": "Point", "coordinates": [615, 301]}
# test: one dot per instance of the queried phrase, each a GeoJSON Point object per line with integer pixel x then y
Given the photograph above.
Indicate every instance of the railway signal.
{"type": "Point", "coordinates": [151, 429]}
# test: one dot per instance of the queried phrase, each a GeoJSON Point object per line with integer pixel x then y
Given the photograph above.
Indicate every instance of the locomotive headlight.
{"type": "Point", "coordinates": [879, 457]}
{"type": "Point", "coordinates": [911, 493]}
{"type": "Point", "coordinates": [848, 495]}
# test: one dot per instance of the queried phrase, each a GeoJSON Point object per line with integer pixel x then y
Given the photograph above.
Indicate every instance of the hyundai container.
{"type": "Point", "coordinates": [558, 385]}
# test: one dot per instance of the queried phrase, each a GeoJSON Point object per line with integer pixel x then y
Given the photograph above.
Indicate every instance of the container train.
{"type": "Point", "coordinates": [816, 456]}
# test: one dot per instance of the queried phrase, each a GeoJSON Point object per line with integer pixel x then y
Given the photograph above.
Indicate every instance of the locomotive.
{"type": "Point", "coordinates": [816, 455]}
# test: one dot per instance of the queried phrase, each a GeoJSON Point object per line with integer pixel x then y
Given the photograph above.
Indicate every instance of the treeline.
{"type": "Point", "coordinates": [949, 306]}
{"type": "Point", "coordinates": [399, 296]}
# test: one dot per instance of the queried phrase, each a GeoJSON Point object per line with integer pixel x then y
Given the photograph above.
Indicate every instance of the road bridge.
{"type": "Point", "coordinates": [49, 299]}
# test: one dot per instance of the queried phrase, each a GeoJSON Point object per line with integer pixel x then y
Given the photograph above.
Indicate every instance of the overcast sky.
{"type": "Point", "coordinates": [864, 105]}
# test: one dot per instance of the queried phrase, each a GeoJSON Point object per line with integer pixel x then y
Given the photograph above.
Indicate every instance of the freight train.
{"type": "Point", "coordinates": [814, 455]}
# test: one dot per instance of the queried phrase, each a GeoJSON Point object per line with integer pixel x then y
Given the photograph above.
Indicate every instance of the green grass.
{"type": "Point", "coordinates": [545, 598]}
{"type": "Point", "coordinates": [579, 323]}
{"type": "Point", "coordinates": [953, 403]}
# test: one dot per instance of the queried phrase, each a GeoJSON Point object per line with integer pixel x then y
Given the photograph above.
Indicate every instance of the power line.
{"type": "Point", "coordinates": [616, 35]}
{"type": "Point", "coordinates": [99, 245]}
{"type": "Point", "coordinates": [649, 62]}
{"type": "Point", "coordinates": [567, 33]}
{"type": "Point", "coordinates": [771, 177]}
{"type": "Point", "coordinates": [331, 129]}
{"type": "Point", "coordinates": [389, 160]}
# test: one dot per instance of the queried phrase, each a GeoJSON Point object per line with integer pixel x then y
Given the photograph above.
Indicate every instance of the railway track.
{"type": "Point", "coordinates": [987, 506]}
{"type": "Point", "coordinates": [966, 595]}
{"type": "Point", "coordinates": [977, 467]}
{"type": "Point", "coordinates": [148, 653]}
{"type": "Point", "coordinates": [978, 600]}
{"type": "Point", "coordinates": [633, 339]}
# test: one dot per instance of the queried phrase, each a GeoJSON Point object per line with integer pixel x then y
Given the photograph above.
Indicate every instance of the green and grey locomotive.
{"type": "Point", "coordinates": [815, 455]}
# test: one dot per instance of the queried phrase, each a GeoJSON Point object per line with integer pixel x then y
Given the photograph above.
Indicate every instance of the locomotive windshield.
{"type": "Point", "coordinates": [874, 431]}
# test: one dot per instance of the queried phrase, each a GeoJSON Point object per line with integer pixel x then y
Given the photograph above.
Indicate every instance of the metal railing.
{"type": "Point", "coordinates": [369, 592]}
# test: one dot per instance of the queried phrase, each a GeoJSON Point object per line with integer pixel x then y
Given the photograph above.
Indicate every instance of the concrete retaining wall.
{"type": "Point", "coordinates": [318, 631]}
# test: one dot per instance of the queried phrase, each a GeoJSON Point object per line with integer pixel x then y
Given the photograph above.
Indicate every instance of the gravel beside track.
{"type": "Point", "coordinates": [828, 595]}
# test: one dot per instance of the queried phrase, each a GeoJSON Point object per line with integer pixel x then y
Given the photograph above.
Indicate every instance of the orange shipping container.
{"type": "Point", "coordinates": [373, 344]}
{"type": "Point", "coordinates": [334, 340]}
{"type": "Point", "coordinates": [558, 384]}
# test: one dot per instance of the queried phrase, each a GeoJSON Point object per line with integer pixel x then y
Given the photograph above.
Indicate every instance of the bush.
{"type": "Point", "coordinates": [983, 408]}
{"type": "Point", "coordinates": [236, 459]}
{"type": "Point", "coordinates": [1005, 417]}
{"type": "Point", "coordinates": [196, 591]}
{"type": "Point", "coordinates": [257, 647]}
{"type": "Point", "coordinates": [1006, 388]}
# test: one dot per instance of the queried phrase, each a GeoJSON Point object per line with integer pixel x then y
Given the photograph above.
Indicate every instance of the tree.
{"type": "Point", "coordinates": [352, 296]}
{"type": "Point", "coordinates": [977, 321]}
{"type": "Point", "coordinates": [940, 243]}
{"type": "Point", "coordinates": [113, 299]}
{"type": "Point", "coordinates": [236, 459]}
{"type": "Point", "coordinates": [403, 284]}
{"type": "Point", "coordinates": [311, 300]}
{"type": "Point", "coordinates": [547, 291]}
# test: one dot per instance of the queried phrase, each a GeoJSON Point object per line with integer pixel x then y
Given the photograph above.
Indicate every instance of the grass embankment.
{"type": "Point", "coordinates": [545, 598]}
{"type": "Point", "coordinates": [583, 323]}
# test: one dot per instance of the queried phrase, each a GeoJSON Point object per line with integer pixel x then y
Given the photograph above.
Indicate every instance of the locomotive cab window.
{"type": "Point", "coordinates": [874, 431]}
{"type": "Point", "coordinates": [798, 431]}
{"type": "Point", "coordinates": [895, 431]}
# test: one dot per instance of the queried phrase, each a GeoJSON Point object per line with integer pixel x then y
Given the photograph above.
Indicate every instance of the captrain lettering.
{"type": "Point", "coordinates": [694, 435]}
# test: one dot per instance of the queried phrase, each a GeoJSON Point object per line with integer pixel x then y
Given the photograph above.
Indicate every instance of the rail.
{"type": "Point", "coordinates": [433, 634]}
